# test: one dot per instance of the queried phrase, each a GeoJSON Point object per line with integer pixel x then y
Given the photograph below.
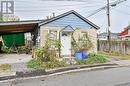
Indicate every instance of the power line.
{"type": "Point", "coordinates": [112, 4]}
{"type": "Point", "coordinates": [95, 1]}
{"type": "Point", "coordinates": [50, 9]}
{"type": "Point", "coordinates": [52, 5]}
{"type": "Point", "coordinates": [23, 8]}
{"type": "Point", "coordinates": [42, 10]}
{"type": "Point", "coordinates": [37, 11]}
{"type": "Point", "coordinates": [60, 6]}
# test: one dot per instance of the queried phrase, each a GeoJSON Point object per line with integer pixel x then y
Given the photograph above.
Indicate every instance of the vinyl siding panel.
{"type": "Point", "coordinates": [71, 20]}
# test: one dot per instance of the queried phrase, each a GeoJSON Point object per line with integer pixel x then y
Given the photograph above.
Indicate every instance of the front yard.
{"type": "Point", "coordinates": [54, 62]}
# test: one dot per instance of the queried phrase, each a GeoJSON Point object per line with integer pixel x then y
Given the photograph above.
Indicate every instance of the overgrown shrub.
{"type": "Point", "coordinates": [38, 64]}
{"type": "Point", "coordinates": [96, 58]}
{"type": "Point", "coordinates": [79, 62]}
{"type": "Point", "coordinates": [39, 53]}
{"type": "Point", "coordinates": [20, 49]}
{"type": "Point", "coordinates": [49, 51]}
{"type": "Point", "coordinates": [24, 49]}
{"type": "Point", "coordinates": [53, 64]}
{"type": "Point", "coordinates": [6, 50]}
{"type": "Point", "coordinates": [83, 44]}
{"type": "Point", "coordinates": [35, 64]}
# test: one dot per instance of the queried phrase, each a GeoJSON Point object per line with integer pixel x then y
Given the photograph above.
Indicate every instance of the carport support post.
{"type": "Point", "coordinates": [1, 17]}
{"type": "Point", "coordinates": [34, 35]}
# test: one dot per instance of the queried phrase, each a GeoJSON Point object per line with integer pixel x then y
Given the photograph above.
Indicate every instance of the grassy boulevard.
{"type": "Point", "coordinates": [52, 62]}
{"type": "Point", "coordinates": [116, 55]}
{"type": "Point", "coordinates": [4, 67]}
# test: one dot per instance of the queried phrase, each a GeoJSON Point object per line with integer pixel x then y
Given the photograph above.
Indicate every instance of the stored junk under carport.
{"type": "Point", "coordinates": [13, 32]}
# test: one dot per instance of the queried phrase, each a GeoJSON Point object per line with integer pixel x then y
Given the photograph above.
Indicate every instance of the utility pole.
{"type": "Point", "coordinates": [109, 24]}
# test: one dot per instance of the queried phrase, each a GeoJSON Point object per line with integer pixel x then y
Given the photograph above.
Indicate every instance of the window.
{"type": "Point", "coordinates": [64, 33]}
{"type": "Point", "coordinates": [53, 34]}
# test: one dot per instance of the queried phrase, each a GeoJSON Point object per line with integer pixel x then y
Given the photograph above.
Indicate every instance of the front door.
{"type": "Point", "coordinates": [65, 44]}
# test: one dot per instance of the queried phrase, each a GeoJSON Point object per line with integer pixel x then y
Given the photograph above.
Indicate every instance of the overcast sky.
{"type": "Point", "coordinates": [39, 9]}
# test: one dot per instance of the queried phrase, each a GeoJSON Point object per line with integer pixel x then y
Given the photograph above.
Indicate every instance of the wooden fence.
{"type": "Point", "coordinates": [116, 46]}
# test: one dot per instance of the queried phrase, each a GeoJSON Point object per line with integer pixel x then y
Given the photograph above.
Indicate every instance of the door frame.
{"type": "Point", "coordinates": [60, 34]}
{"type": "Point", "coordinates": [68, 36]}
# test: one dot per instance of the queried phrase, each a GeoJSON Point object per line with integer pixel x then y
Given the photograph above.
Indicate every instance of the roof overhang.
{"type": "Point", "coordinates": [17, 27]}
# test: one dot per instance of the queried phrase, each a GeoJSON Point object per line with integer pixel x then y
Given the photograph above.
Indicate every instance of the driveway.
{"type": "Point", "coordinates": [18, 62]}
{"type": "Point", "coordinates": [14, 58]}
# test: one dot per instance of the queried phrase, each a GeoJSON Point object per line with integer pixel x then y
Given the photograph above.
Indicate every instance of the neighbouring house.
{"type": "Point", "coordinates": [67, 28]}
{"type": "Point", "coordinates": [104, 36]}
{"type": "Point", "coordinates": [66, 25]}
{"type": "Point", "coordinates": [125, 34]}
{"type": "Point", "coordinates": [10, 17]}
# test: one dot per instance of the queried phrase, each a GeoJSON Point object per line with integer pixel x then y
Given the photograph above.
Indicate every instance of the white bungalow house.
{"type": "Point", "coordinates": [63, 27]}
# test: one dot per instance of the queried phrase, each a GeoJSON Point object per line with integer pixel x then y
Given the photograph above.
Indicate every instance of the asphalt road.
{"type": "Point", "coordinates": [108, 77]}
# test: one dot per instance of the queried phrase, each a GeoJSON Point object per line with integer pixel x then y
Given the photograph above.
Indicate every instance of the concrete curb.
{"type": "Point", "coordinates": [60, 71]}
{"type": "Point", "coordinates": [78, 67]}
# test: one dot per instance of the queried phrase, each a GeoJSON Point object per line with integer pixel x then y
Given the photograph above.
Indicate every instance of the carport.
{"type": "Point", "coordinates": [20, 27]}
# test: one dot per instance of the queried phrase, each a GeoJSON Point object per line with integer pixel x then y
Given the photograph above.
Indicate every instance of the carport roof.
{"type": "Point", "coordinates": [18, 26]}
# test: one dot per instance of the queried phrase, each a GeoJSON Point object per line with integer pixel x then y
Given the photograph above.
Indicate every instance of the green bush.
{"type": "Point", "coordinates": [6, 50]}
{"type": "Point", "coordinates": [44, 54]}
{"type": "Point", "coordinates": [35, 64]}
{"type": "Point", "coordinates": [93, 59]}
{"type": "Point", "coordinates": [54, 64]}
{"type": "Point", "coordinates": [39, 53]}
{"type": "Point", "coordinates": [96, 58]}
{"type": "Point", "coordinates": [24, 49]}
{"type": "Point", "coordinates": [79, 62]}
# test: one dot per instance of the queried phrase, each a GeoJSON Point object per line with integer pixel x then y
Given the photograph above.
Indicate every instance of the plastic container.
{"type": "Point", "coordinates": [80, 56]}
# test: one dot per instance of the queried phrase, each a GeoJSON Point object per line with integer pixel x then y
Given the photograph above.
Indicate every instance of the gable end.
{"type": "Point", "coordinates": [66, 14]}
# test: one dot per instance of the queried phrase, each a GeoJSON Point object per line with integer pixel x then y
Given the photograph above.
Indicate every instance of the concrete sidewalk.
{"type": "Point", "coordinates": [122, 62]}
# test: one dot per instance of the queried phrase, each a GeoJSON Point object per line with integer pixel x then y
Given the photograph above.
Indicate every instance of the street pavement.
{"type": "Point", "coordinates": [108, 77]}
